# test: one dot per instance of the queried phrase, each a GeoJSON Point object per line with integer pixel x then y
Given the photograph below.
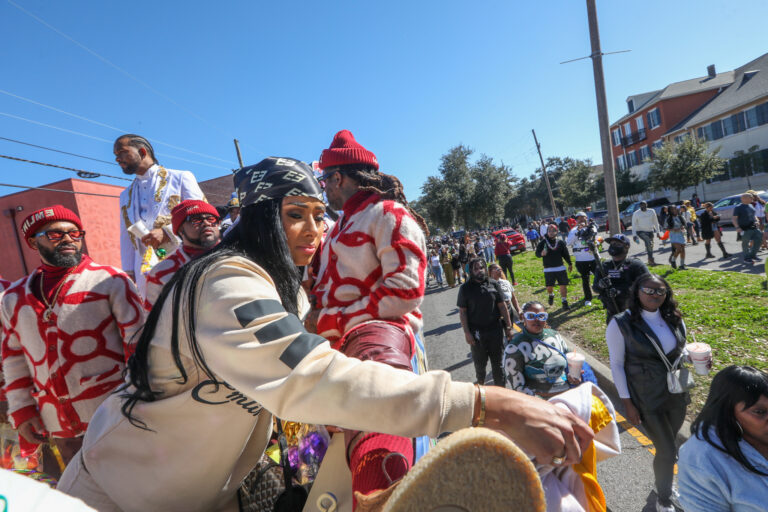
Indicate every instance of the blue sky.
{"type": "Point", "coordinates": [409, 79]}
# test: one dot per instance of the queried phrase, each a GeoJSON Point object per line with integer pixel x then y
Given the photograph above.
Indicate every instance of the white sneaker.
{"type": "Point", "coordinates": [587, 302]}
{"type": "Point", "coordinates": [664, 508]}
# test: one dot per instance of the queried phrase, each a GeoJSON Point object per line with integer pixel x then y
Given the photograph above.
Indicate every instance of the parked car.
{"type": "Point", "coordinates": [724, 207]}
{"type": "Point", "coordinates": [517, 240]}
{"type": "Point", "coordinates": [655, 204]}
{"type": "Point", "coordinates": [600, 218]}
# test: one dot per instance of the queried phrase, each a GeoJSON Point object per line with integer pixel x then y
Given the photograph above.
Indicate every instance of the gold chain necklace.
{"type": "Point", "coordinates": [49, 307]}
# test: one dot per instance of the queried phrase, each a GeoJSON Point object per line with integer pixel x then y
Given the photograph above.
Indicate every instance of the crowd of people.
{"type": "Point", "coordinates": [161, 385]}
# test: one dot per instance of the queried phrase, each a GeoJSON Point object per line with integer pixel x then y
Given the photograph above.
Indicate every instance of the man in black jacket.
{"type": "Point", "coordinates": [481, 311]}
{"type": "Point", "coordinates": [614, 277]}
{"type": "Point", "coordinates": [553, 251]}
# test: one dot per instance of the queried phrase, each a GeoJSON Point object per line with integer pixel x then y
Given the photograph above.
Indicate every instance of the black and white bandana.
{"type": "Point", "coordinates": [274, 178]}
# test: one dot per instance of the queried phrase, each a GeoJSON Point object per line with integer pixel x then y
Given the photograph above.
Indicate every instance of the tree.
{"type": "Point", "coordinates": [575, 183]}
{"type": "Point", "coordinates": [677, 166]}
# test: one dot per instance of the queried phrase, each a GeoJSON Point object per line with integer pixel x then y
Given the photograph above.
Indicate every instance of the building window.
{"type": "Point", "coordinates": [654, 118]}
{"type": "Point", "coordinates": [762, 114]}
{"type": "Point", "coordinates": [631, 159]}
{"type": "Point", "coordinates": [656, 145]}
{"type": "Point", "coordinates": [734, 124]}
{"type": "Point", "coordinates": [627, 129]}
{"type": "Point", "coordinates": [631, 106]}
{"type": "Point", "coordinates": [639, 123]}
{"type": "Point", "coordinates": [620, 162]}
{"type": "Point", "coordinates": [644, 154]}
{"type": "Point", "coordinates": [717, 130]}
{"type": "Point", "coordinates": [616, 134]}
{"type": "Point", "coordinates": [751, 117]}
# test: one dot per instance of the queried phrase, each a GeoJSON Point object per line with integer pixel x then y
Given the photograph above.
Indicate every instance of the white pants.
{"type": "Point", "coordinates": [77, 482]}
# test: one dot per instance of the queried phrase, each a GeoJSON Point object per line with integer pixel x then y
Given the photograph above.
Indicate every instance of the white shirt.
{"type": "Point", "coordinates": [615, 341]}
{"type": "Point", "coordinates": [580, 250]}
{"type": "Point", "coordinates": [506, 289]}
{"type": "Point", "coordinates": [645, 221]}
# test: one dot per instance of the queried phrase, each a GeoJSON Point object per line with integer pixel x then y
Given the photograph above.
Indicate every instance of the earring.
{"type": "Point", "coordinates": [741, 430]}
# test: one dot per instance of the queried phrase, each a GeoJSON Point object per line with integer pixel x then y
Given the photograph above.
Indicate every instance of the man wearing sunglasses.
{"type": "Point", "coordinates": [68, 328]}
{"type": "Point", "coordinates": [198, 224]}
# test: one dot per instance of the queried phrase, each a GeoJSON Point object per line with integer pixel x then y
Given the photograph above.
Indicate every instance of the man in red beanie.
{"type": "Point", "coordinates": [367, 290]}
{"type": "Point", "coordinates": [67, 332]}
{"type": "Point", "coordinates": [197, 223]}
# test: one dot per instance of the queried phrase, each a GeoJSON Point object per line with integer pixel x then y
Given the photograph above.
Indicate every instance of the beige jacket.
{"type": "Point", "coordinates": [203, 442]}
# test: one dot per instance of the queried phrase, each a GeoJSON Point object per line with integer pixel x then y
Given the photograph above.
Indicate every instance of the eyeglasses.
{"type": "Point", "coordinates": [197, 220]}
{"type": "Point", "coordinates": [322, 179]}
{"type": "Point", "coordinates": [661, 292]}
{"type": "Point", "coordinates": [530, 315]}
{"type": "Point", "coordinates": [55, 235]}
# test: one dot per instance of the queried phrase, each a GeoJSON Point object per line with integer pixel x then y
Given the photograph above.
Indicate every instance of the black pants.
{"type": "Point", "coordinates": [662, 425]}
{"type": "Point", "coordinates": [505, 262]}
{"type": "Point", "coordinates": [585, 269]}
{"type": "Point", "coordinates": [490, 345]}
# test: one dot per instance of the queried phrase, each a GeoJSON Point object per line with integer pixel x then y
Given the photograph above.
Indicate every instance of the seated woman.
{"type": "Point", "coordinates": [224, 349]}
{"type": "Point", "coordinates": [724, 464]}
{"type": "Point", "coordinates": [535, 359]}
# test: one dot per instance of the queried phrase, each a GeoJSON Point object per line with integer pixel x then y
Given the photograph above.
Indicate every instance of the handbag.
{"type": "Point", "coordinates": [679, 379]}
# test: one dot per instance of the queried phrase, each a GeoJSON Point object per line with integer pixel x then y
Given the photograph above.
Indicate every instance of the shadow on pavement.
{"type": "Point", "coordinates": [455, 311]}
{"type": "Point", "coordinates": [458, 365]}
{"type": "Point", "coordinates": [442, 329]}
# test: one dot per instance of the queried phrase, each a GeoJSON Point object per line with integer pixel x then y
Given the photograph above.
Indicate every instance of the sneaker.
{"type": "Point", "coordinates": [454, 476]}
{"type": "Point", "coordinates": [566, 306]}
{"type": "Point", "coordinates": [551, 300]}
{"type": "Point", "coordinates": [587, 302]}
{"type": "Point", "coordinates": [682, 267]}
{"type": "Point", "coordinates": [748, 260]}
{"type": "Point", "coordinates": [673, 263]}
{"type": "Point", "coordinates": [664, 508]}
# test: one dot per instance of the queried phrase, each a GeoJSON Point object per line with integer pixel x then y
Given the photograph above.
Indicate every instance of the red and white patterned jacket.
{"type": "Point", "coordinates": [372, 266]}
{"type": "Point", "coordinates": [3, 286]}
{"type": "Point", "coordinates": [61, 371]}
{"type": "Point", "coordinates": [162, 273]}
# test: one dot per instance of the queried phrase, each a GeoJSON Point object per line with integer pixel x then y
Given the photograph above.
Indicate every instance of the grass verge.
{"type": "Point", "coordinates": [727, 310]}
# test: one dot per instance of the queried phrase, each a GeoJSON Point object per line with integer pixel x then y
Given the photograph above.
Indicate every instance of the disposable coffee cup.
{"type": "Point", "coordinates": [575, 362]}
{"type": "Point", "coordinates": [701, 357]}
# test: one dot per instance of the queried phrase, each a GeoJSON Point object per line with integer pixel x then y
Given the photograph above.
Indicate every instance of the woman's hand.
{"type": "Point", "coordinates": [633, 415]}
{"type": "Point", "coordinates": [537, 426]}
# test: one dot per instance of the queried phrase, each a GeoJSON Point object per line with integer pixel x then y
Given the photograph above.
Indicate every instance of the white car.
{"type": "Point", "coordinates": [724, 207]}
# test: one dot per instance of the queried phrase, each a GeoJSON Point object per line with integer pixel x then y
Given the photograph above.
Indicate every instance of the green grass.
{"type": "Point", "coordinates": [727, 310]}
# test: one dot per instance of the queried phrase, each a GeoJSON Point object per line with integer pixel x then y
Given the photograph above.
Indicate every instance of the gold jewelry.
{"type": "Point", "coordinates": [558, 461]}
{"type": "Point", "coordinates": [49, 307]}
{"type": "Point", "coordinates": [479, 421]}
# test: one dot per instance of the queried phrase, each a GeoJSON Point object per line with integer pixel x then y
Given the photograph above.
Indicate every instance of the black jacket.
{"type": "Point", "coordinates": [646, 372]}
{"type": "Point", "coordinates": [554, 257]}
{"type": "Point", "coordinates": [622, 275]}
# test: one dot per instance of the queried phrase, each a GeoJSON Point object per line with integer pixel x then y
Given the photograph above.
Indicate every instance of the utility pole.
{"type": "Point", "coordinates": [239, 156]}
{"type": "Point", "coordinates": [546, 177]}
{"type": "Point", "coordinates": [611, 196]}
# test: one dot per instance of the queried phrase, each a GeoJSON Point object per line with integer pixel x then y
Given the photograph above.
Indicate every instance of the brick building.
{"type": "Point", "coordinates": [97, 204]}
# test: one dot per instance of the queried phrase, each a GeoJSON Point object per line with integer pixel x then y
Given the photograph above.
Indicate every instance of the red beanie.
{"type": "Point", "coordinates": [345, 150]}
{"type": "Point", "coordinates": [189, 207]}
{"type": "Point", "coordinates": [40, 218]}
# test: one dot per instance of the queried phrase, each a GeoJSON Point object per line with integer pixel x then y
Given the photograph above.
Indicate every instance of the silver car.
{"type": "Point", "coordinates": [724, 207]}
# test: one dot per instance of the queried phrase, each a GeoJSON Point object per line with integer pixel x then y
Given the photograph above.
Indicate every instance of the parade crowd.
{"type": "Point", "coordinates": [230, 333]}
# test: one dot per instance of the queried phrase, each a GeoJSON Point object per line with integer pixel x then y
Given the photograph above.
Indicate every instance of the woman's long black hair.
{"type": "Point", "coordinates": [668, 309]}
{"type": "Point", "coordinates": [260, 237]}
{"type": "Point", "coordinates": [730, 387]}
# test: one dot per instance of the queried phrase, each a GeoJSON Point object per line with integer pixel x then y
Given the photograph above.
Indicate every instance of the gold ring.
{"type": "Point", "coordinates": [558, 461]}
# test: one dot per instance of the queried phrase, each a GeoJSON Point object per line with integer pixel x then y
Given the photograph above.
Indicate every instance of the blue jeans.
{"type": "Point", "coordinates": [438, 271]}
{"type": "Point", "coordinates": [751, 235]}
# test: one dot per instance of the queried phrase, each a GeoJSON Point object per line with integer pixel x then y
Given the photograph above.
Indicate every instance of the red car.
{"type": "Point", "coordinates": [516, 240]}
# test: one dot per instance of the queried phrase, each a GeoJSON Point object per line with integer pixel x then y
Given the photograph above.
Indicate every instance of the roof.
{"type": "Point", "coordinates": [677, 89]}
{"type": "Point", "coordinates": [750, 83]}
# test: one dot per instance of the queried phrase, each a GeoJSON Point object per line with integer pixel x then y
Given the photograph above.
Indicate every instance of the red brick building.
{"type": "Point", "coordinates": [97, 204]}
{"type": "Point", "coordinates": [653, 114]}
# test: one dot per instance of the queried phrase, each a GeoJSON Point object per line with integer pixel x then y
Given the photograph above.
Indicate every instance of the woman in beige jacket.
{"type": "Point", "coordinates": [223, 350]}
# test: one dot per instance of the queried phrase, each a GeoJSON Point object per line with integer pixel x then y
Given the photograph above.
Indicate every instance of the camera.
{"type": "Point", "coordinates": [587, 233]}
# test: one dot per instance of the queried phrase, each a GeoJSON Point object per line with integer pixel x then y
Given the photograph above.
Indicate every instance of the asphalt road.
{"type": "Point", "coordinates": [627, 479]}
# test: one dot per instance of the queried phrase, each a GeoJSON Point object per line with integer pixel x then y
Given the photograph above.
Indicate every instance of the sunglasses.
{"type": "Point", "coordinates": [661, 292]}
{"type": "Point", "coordinates": [322, 179]}
{"type": "Point", "coordinates": [55, 235]}
{"type": "Point", "coordinates": [530, 315]}
{"type": "Point", "coordinates": [198, 220]}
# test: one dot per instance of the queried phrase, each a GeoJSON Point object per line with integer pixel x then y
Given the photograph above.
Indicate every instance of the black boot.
{"type": "Point", "coordinates": [709, 252]}
{"type": "Point", "coordinates": [722, 248]}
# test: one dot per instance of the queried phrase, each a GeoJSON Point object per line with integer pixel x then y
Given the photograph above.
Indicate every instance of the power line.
{"type": "Point", "coordinates": [97, 123]}
{"type": "Point", "coordinates": [100, 139]}
{"type": "Point", "coordinates": [57, 151]}
{"type": "Point", "coordinates": [55, 190]}
{"type": "Point", "coordinates": [80, 172]}
{"type": "Point", "coordinates": [115, 66]}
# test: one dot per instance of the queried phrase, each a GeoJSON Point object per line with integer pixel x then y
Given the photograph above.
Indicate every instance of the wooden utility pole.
{"type": "Point", "coordinates": [546, 176]}
{"type": "Point", "coordinates": [611, 197]}
{"type": "Point", "coordinates": [239, 156]}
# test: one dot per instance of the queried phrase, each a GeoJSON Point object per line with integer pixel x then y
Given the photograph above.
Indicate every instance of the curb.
{"type": "Point", "coordinates": [605, 382]}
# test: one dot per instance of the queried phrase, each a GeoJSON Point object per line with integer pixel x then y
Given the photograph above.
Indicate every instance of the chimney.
{"type": "Point", "coordinates": [711, 71]}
